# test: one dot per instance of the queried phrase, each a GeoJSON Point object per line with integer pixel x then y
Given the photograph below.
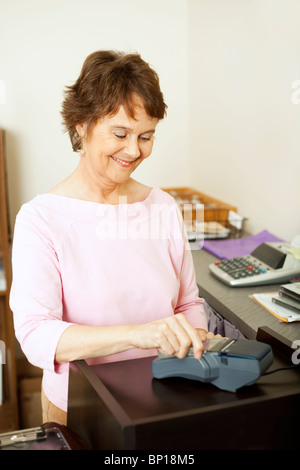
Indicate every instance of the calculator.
{"type": "Point", "coordinates": [269, 263]}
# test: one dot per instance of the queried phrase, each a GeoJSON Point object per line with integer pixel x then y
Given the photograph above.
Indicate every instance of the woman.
{"type": "Point", "coordinates": [98, 274]}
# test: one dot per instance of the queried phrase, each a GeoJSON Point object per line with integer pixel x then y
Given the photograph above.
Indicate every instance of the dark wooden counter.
{"type": "Point", "coordinates": [120, 406]}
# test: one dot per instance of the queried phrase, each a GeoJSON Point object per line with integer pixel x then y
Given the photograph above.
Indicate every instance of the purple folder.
{"type": "Point", "coordinates": [226, 249]}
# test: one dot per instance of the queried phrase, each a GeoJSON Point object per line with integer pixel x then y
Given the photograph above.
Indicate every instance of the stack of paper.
{"type": "Point", "coordinates": [284, 304]}
{"type": "Point", "coordinates": [204, 230]}
{"type": "Point", "coordinates": [289, 297]}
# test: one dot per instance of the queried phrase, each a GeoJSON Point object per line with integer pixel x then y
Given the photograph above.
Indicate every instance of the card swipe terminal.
{"type": "Point", "coordinates": [229, 364]}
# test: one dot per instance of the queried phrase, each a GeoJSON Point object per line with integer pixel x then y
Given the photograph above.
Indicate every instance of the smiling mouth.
{"type": "Point", "coordinates": [122, 163]}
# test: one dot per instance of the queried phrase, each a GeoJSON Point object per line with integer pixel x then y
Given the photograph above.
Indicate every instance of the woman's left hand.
{"type": "Point", "coordinates": [207, 335]}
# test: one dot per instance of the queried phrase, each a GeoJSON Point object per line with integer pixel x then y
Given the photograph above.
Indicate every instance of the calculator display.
{"type": "Point", "coordinates": [269, 255]}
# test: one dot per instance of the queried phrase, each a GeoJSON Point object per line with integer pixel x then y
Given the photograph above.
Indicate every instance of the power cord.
{"type": "Point", "coordinates": [281, 368]}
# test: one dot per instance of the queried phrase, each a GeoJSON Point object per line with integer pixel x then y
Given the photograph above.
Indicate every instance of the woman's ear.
{"type": "Point", "coordinates": [81, 129]}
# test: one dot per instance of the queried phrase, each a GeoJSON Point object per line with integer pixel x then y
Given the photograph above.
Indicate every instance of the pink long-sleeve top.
{"type": "Point", "coordinates": [81, 262]}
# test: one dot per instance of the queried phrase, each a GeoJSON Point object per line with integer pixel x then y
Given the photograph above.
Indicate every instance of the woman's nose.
{"type": "Point", "coordinates": [132, 148]}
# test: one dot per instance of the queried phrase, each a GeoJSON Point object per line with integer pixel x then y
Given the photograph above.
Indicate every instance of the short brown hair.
{"type": "Point", "coordinates": [108, 79]}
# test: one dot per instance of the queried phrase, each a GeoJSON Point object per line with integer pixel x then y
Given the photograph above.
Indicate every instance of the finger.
{"type": "Point", "coordinates": [203, 334]}
{"type": "Point", "coordinates": [172, 341]}
{"type": "Point", "coordinates": [168, 343]}
{"type": "Point", "coordinates": [208, 335]}
{"type": "Point", "coordinates": [194, 337]}
{"type": "Point", "coordinates": [183, 339]}
{"type": "Point", "coordinates": [211, 335]}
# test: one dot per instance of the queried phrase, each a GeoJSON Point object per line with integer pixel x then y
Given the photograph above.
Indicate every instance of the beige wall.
{"type": "Point", "coordinates": [244, 57]}
{"type": "Point", "coordinates": [226, 69]}
{"type": "Point", "coordinates": [42, 47]}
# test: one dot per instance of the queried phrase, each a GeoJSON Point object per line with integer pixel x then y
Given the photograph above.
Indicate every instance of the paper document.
{"type": "Point", "coordinates": [282, 313]}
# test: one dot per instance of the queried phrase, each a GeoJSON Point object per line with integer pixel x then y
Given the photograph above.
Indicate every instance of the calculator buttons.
{"type": "Point", "coordinates": [239, 268]}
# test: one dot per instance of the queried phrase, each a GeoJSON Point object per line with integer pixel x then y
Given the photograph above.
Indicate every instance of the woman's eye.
{"type": "Point", "coordinates": [120, 136]}
{"type": "Point", "coordinates": [142, 138]}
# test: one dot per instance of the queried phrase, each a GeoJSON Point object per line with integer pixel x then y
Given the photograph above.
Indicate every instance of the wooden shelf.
{"type": "Point", "coordinates": [7, 417]}
{"type": "Point", "coordinates": [9, 408]}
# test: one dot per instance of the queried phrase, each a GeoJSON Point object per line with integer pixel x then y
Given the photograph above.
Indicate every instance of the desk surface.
{"type": "Point", "coordinates": [234, 303]}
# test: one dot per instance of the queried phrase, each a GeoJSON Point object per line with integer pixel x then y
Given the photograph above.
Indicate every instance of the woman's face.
{"type": "Point", "coordinates": [117, 144]}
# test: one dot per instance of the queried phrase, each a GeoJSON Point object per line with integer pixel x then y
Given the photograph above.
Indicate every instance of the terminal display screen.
{"type": "Point", "coordinates": [216, 345]}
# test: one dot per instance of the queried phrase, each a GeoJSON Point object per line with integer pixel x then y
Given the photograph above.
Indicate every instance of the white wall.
{"type": "Point", "coordinates": [245, 129]}
{"type": "Point", "coordinates": [43, 44]}
{"type": "Point", "coordinates": [226, 69]}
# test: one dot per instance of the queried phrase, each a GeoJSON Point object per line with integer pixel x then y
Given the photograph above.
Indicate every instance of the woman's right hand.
{"type": "Point", "coordinates": [172, 335]}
